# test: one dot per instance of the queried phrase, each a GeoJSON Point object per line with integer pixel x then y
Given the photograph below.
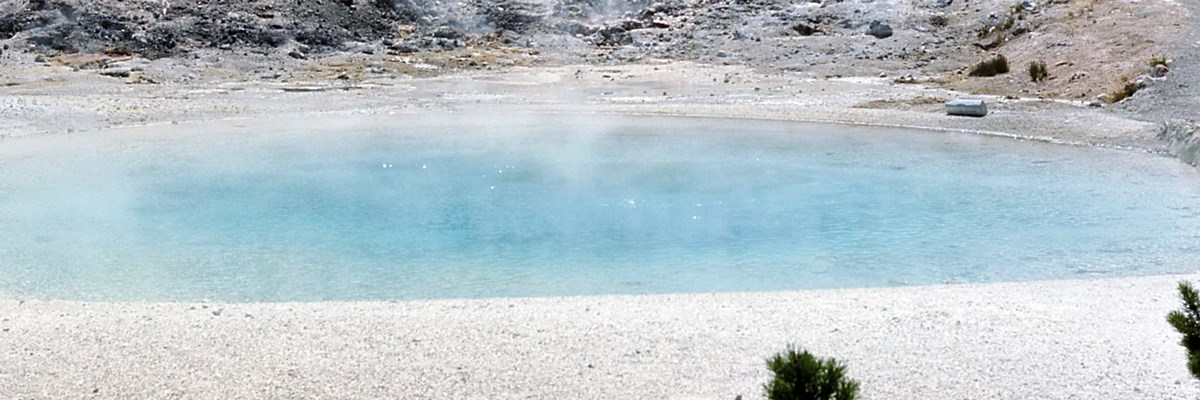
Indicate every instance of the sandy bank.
{"type": "Point", "coordinates": [1084, 339]}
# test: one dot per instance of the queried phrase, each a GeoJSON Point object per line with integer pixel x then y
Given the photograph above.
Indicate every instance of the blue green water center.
{"type": "Point", "coordinates": [419, 207]}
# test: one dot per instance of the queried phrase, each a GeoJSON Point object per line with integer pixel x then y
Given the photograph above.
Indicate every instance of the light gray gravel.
{"type": "Point", "coordinates": [1177, 96]}
{"type": "Point", "coordinates": [1082, 339]}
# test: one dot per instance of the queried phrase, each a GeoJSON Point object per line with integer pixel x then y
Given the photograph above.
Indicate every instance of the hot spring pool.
{"type": "Point", "coordinates": [470, 206]}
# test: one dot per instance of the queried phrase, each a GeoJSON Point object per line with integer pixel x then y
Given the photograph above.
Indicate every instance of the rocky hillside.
{"type": "Point", "coordinates": [1091, 48]}
{"type": "Point", "coordinates": [163, 28]}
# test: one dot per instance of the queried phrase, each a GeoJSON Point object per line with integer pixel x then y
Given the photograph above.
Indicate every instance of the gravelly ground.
{"type": "Point", "coordinates": [1178, 97]}
{"type": "Point", "coordinates": [1103, 339]}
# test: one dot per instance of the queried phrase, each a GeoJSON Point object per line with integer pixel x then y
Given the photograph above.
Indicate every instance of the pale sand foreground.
{"type": "Point", "coordinates": [1084, 339]}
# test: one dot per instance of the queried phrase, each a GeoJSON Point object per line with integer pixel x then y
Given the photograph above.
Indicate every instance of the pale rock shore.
{"type": "Point", "coordinates": [1072, 339]}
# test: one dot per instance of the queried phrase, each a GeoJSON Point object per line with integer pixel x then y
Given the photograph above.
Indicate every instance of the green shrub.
{"type": "Point", "coordinates": [1187, 322]}
{"type": "Point", "coordinates": [991, 67]}
{"type": "Point", "coordinates": [801, 376]}
{"type": "Point", "coordinates": [1038, 71]}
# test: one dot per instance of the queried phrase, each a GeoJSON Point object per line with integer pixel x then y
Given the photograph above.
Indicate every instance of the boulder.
{"type": "Point", "coordinates": [879, 30]}
{"type": "Point", "coordinates": [966, 107]}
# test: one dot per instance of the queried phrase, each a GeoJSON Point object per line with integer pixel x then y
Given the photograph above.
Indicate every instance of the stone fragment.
{"type": "Point", "coordinates": [804, 29]}
{"type": "Point", "coordinates": [879, 30]}
{"type": "Point", "coordinates": [115, 72]}
{"type": "Point", "coordinates": [1158, 71]}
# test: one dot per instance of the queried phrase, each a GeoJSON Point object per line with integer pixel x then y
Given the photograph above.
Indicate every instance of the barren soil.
{"type": "Point", "coordinates": [1092, 48]}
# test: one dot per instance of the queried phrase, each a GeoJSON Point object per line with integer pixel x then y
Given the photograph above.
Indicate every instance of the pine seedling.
{"type": "Point", "coordinates": [1187, 322]}
{"type": "Point", "coordinates": [801, 376]}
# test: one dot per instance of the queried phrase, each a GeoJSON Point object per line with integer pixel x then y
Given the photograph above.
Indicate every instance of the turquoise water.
{"type": "Point", "coordinates": [470, 206]}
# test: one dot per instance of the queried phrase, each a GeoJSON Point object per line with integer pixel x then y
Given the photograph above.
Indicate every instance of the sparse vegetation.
{"type": "Point", "coordinates": [1187, 322]}
{"type": "Point", "coordinates": [997, 40]}
{"type": "Point", "coordinates": [1156, 61]}
{"type": "Point", "coordinates": [1038, 71]}
{"type": "Point", "coordinates": [939, 21]}
{"type": "Point", "coordinates": [1002, 30]}
{"type": "Point", "coordinates": [991, 67]}
{"type": "Point", "coordinates": [801, 376]}
{"type": "Point", "coordinates": [997, 29]}
{"type": "Point", "coordinates": [915, 102]}
{"type": "Point", "coordinates": [1124, 92]}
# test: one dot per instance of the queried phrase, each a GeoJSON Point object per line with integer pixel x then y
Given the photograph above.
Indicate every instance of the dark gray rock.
{"type": "Point", "coordinates": [512, 15]}
{"type": "Point", "coordinates": [403, 48]}
{"type": "Point", "coordinates": [879, 30]}
{"type": "Point", "coordinates": [631, 24]}
{"type": "Point", "coordinates": [613, 36]}
{"type": "Point", "coordinates": [445, 32]}
{"type": "Point", "coordinates": [577, 28]}
{"type": "Point", "coordinates": [804, 29]}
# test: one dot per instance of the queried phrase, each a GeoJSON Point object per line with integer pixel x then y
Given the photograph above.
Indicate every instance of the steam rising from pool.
{"type": "Point", "coordinates": [482, 206]}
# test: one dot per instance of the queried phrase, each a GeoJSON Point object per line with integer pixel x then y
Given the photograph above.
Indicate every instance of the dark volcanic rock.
{"type": "Point", "coordinates": [446, 32]}
{"type": "Point", "coordinates": [804, 29]}
{"type": "Point", "coordinates": [152, 29]}
{"type": "Point", "coordinates": [576, 28]}
{"type": "Point", "coordinates": [879, 30]}
{"type": "Point", "coordinates": [511, 14]}
{"type": "Point", "coordinates": [156, 29]}
{"type": "Point", "coordinates": [614, 36]}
